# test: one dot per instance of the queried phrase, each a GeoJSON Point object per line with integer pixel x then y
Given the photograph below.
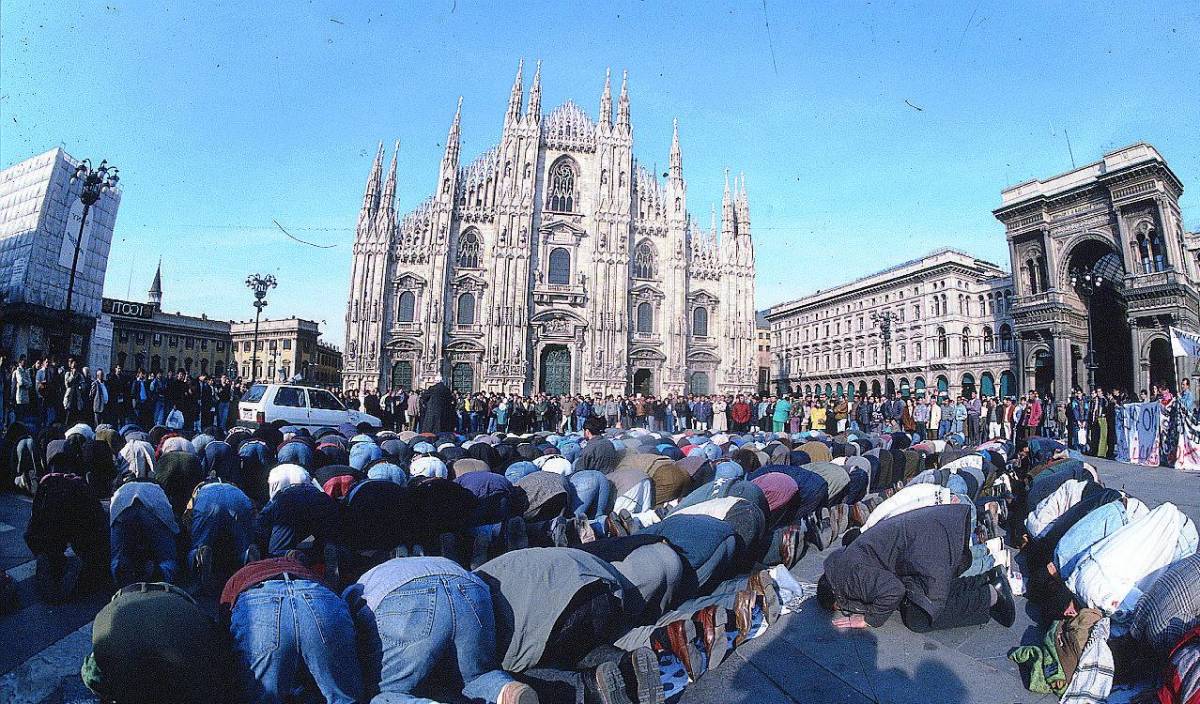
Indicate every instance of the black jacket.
{"type": "Point", "coordinates": [437, 409]}
{"type": "Point", "coordinates": [914, 556]}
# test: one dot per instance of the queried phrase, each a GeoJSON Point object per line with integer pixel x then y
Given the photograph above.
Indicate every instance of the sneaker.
{"type": "Point", "coordinates": [517, 693]}
{"type": "Point", "coordinates": [587, 534]}
{"type": "Point", "coordinates": [610, 685]}
{"type": "Point", "coordinates": [641, 667]}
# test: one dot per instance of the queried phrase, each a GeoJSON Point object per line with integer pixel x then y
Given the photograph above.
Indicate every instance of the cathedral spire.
{"type": "Point", "coordinates": [514, 99]}
{"type": "Point", "coordinates": [450, 159]}
{"type": "Point", "coordinates": [534, 112]}
{"type": "Point", "coordinates": [742, 206]}
{"type": "Point", "coordinates": [676, 155]}
{"type": "Point", "coordinates": [385, 217]}
{"type": "Point", "coordinates": [623, 102]}
{"type": "Point", "coordinates": [727, 216]}
{"type": "Point", "coordinates": [388, 199]}
{"type": "Point", "coordinates": [371, 196]}
{"type": "Point", "coordinates": [606, 100]}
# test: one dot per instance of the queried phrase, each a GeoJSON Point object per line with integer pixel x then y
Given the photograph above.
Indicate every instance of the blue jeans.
{"type": "Point", "coordinates": [591, 493]}
{"type": "Point", "coordinates": [223, 414]}
{"type": "Point", "coordinates": [137, 538]}
{"type": "Point", "coordinates": [283, 625]}
{"type": "Point", "coordinates": [221, 513]}
{"type": "Point", "coordinates": [419, 624]}
{"type": "Point", "coordinates": [160, 412]}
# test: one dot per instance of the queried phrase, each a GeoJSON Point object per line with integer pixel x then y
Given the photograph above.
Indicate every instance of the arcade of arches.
{"type": "Point", "coordinates": [987, 383]}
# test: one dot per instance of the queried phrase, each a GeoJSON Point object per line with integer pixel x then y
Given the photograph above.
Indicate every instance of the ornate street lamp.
{"type": "Point", "coordinates": [883, 319]}
{"type": "Point", "coordinates": [96, 182]}
{"type": "Point", "coordinates": [259, 285]}
{"type": "Point", "coordinates": [1088, 282]}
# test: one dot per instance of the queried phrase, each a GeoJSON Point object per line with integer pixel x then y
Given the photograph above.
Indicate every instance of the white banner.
{"type": "Point", "coordinates": [1184, 343]}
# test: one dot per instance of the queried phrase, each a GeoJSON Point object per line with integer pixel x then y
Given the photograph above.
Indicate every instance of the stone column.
{"type": "Point", "coordinates": [1140, 367]}
{"type": "Point", "coordinates": [1062, 365]}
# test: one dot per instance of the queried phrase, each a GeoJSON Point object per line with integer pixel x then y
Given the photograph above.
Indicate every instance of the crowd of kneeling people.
{"type": "Point", "coordinates": [400, 567]}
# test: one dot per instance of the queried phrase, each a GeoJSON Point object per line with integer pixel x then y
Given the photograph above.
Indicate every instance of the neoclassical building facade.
{"type": "Point", "coordinates": [949, 333]}
{"type": "Point", "coordinates": [552, 262]}
{"type": "Point", "coordinates": [1118, 217]}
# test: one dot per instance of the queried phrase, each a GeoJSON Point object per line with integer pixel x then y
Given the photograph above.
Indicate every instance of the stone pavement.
{"type": "Point", "coordinates": [800, 659]}
{"type": "Point", "coordinates": [804, 659]}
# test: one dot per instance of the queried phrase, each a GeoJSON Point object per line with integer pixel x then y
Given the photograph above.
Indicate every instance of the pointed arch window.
{"type": "Point", "coordinates": [643, 261]}
{"type": "Point", "coordinates": [700, 322]}
{"type": "Point", "coordinates": [989, 342]}
{"type": "Point", "coordinates": [645, 318]}
{"type": "Point", "coordinates": [561, 196]}
{"type": "Point", "coordinates": [466, 309]}
{"type": "Point", "coordinates": [406, 308]}
{"type": "Point", "coordinates": [468, 250]}
{"type": "Point", "coordinates": [943, 345]}
{"type": "Point", "coordinates": [966, 342]}
{"type": "Point", "coordinates": [559, 269]}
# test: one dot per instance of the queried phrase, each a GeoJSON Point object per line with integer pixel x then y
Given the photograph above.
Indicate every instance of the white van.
{"type": "Point", "coordinates": [303, 406]}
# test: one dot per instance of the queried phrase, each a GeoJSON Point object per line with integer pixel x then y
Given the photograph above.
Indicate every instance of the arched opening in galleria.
{"type": "Point", "coordinates": [1109, 319]}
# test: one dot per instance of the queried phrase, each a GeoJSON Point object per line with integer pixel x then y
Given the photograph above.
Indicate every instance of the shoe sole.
{"type": "Point", "coordinates": [611, 685]}
{"type": "Point", "coordinates": [648, 675]}
{"type": "Point", "coordinates": [524, 694]}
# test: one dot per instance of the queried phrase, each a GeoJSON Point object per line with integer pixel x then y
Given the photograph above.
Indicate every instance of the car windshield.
{"type": "Point", "coordinates": [255, 393]}
{"type": "Point", "coordinates": [324, 400]}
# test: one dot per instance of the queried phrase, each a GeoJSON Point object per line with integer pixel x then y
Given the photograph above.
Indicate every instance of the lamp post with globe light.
{"type": "Point", "coordinates": [259, 285]}
{"type": "Point", "coordinates": [96, 182]}
{"type": "Point", "coordinates": [1088, 282]}
{"type": "Point", "coordinates": [884, 320]}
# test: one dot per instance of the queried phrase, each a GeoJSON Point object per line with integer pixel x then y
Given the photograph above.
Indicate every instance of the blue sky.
{"type": "Point", "coordinates": [868, 131]}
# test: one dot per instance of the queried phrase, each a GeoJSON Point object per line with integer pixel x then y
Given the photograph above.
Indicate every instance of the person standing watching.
{"type": "Point", "coordinates": [98, 398]}
{"type": "Point", "coordinates": [22, 385]}
{"type": "Point", "coordinates": [141, 399]}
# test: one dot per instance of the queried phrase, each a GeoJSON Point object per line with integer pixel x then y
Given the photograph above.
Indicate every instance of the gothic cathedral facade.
{"type": "Point", "coordinates": [552, 262]}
